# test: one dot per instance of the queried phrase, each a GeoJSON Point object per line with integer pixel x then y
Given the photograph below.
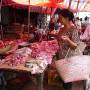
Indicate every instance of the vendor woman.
{"type": "Point", "coordinates": [67, 38]}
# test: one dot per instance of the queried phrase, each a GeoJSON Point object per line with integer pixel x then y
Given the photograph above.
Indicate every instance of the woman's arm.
{"type": "Point", "coordinates": [72, 44]}
{"type": "Point", "coordinates": [5, 49]}
{"type": "Point", "coordinates": [75, 39]}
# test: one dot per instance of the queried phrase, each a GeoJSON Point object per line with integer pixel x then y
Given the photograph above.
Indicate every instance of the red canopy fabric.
{"type": "Point", "coordinates": [35, 5]}
{"type": "Point", "coordinates": [50, 3]}
{"type": "Point", "coordinates": [36, 2]}
{"type": "Point", "coordinates": [32, 2]}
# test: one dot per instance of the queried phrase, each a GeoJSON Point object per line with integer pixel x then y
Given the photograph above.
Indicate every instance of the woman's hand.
{"type": "Point", "coordinates": [65, 38]}
{"type": "Point", "coordinates": [70, 42]}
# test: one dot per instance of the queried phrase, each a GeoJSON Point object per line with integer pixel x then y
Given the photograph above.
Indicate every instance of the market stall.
{"type": "Point", "coordinates": [27, 59]}
{"type": "Point", "coordinates": [42, 51]}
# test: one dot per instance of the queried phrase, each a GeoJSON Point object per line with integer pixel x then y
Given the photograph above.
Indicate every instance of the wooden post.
{"type": "Point", "coordinates": [69, 6]}
{"type": "Point", "coordinates": [28, 16]}
{"type": "Point", "coordinates": [1, 30]}
{"type": "Point", "coordinates": [77, 7]}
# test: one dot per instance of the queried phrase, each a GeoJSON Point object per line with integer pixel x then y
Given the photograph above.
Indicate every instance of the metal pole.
{"type": "Point", "coordinates": [0, 10]}
{"type": "Point", "coordinates": [1, 30]}
{"type": "Point", "coordinates": [69, 6]}
{"type": "Point", "coordinates": [77, 7]}
{"type": "Point", "coordinates": [28, 16]}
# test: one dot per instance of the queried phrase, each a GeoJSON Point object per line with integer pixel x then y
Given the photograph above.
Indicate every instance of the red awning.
{"type": "Point", "coordinates": [84, 5]}
{"type": "Point", "coordinates": [36, 2]}
{"type": "Point", "coordinates": [44, 6]}
{"type": "Point", "coordinates": [32, 2]}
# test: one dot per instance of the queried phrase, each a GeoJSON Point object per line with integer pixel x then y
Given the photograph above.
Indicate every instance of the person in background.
{"type": "Point", "coordinates": [84, 25]}
{"type": "Point", "coordinates": [81, 20]}
{"type": "Point", "coordinates": [67, 38]}
{"type": "Point", "coordinates": [28, 36]}
{"type": "Point", "coordinates": [78, 24]}
{"type": "Point", "coordinates": [51, 25]}
{"type": "Point", "coordinates": [24, 34]}
{"type": "Point", "coordinates": [54, 27]}
{"type": "Point", "coordinates": [86, 20]}
{"type": "Point", "coordinates": [86, 40]}
{"type": "Point", "coordinates": [51, 28]}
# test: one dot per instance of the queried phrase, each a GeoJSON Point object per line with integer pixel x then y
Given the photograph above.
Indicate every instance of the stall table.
{"type": "Point", "coordinates": [21, 68]}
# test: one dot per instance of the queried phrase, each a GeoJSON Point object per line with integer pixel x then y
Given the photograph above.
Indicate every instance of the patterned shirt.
{"type": "Point", "coordinates": [65, 50]}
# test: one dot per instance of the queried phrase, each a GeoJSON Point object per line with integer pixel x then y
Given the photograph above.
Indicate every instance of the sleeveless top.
{"type": "Point", "coordinates": [65, 48]}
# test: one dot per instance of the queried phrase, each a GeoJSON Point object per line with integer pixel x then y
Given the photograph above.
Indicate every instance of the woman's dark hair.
{"type": "Point", "coordinates": [67, 14]}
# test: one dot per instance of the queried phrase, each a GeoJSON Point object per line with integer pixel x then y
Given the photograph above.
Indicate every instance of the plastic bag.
{"type": "Point", "coordinates": [73, 69]}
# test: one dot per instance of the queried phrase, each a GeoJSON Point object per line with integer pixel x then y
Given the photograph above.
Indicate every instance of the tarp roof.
{"type": "Point", "coordinates": [86, 7]}
{"type": "Point", "coordinates": [76, 5]}
{"type": "Point", "coordinates": [81, 5]}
